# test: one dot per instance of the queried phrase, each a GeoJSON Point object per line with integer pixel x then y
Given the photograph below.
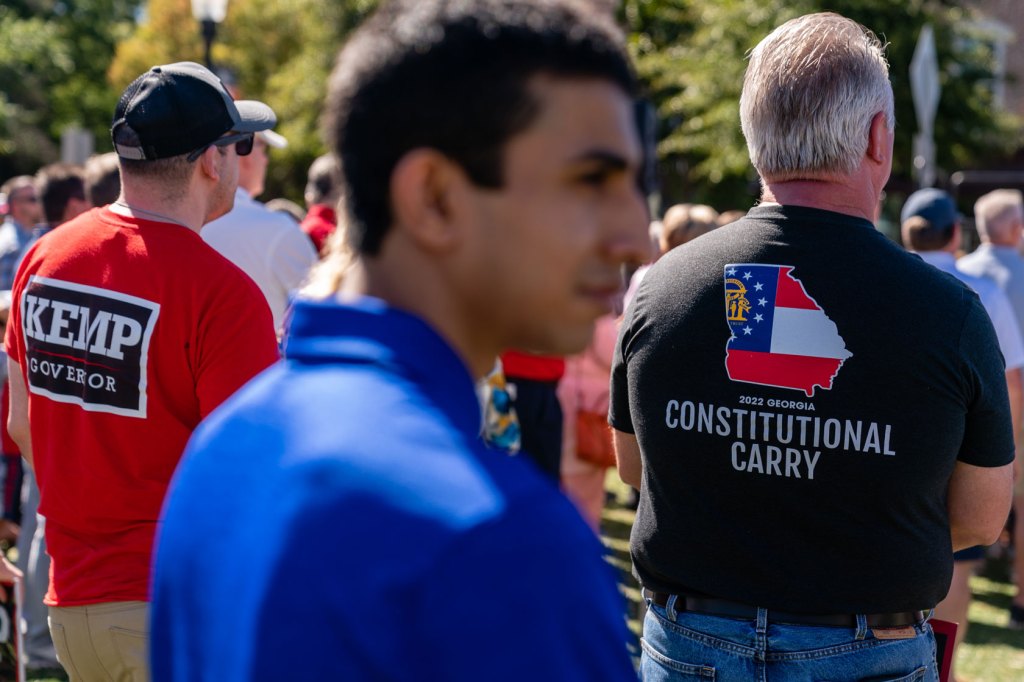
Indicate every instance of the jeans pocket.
{"type": "Point", "coordinates": [915, 676]}
{"type": "Point", "coordinates": [655, 665]}
{"type": "Point", "coordinates": [60, 646]}
{"type": "Point", "coordinates": [130, 646]}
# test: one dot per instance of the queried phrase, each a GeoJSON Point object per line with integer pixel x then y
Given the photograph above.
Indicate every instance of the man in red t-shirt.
{"type": "Point", "coordinates": [126, 330]}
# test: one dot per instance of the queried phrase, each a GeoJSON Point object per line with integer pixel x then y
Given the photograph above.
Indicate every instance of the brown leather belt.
{"type": "Point", "coordinates": [729, 609]}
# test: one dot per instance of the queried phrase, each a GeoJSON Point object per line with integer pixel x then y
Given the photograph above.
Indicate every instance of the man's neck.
{"type": "Point", "coordinates": [426, 297]}
{"type": "Point", "coordinates": [148, 207]}
{"type": "Point", "coordinates": [999, 245]}
{"type": "Point", "coordinates": [829, 195]}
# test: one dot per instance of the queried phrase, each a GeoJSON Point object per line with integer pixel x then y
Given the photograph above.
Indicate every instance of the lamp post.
{"type": "Point", "coordinates": [209, 13]}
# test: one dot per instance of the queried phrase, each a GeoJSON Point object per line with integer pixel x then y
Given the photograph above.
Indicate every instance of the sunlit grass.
{"type": "Point", "coordinates": [991, 652]}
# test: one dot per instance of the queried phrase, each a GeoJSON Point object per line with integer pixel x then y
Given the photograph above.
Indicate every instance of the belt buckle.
{"type": "Point", "coordinates": [651, 597]}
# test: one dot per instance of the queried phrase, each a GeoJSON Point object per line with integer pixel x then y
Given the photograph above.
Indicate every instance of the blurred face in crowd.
{"type": "Point", "coordinates": [5, 312]}
{"type": "Point", "coordinates": [25, 207]}
{"type": "Point", "coordinates": [550, 241]}
{"type": "Point", "coordinates": [252, 168]}
{"type": "Point", "coordinates": [76, 206]}
{"type": "Point", "coordinates": [1017, 227]}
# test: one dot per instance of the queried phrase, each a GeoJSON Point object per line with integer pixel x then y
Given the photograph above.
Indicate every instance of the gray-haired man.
{"type": "Point", "coordinates": [999, 217]}
{"type": "Point", "coordinates": [809, 438]}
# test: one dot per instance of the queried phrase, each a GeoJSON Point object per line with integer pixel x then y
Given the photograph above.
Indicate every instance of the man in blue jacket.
{"type": "Point", "coordinates": [340, 518]}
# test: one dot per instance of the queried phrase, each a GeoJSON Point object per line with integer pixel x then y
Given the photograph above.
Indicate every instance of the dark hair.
{"type": "Point", "coordinates": [322, 180]}
{"type": "Point", "coordinates": [921, 235]}
{"type": "Point", "coordinates": [452, 76]}
{"type": "Point", "coordinates": [102, 179]}
{"type": "Point", "coordinates": [58, 184]}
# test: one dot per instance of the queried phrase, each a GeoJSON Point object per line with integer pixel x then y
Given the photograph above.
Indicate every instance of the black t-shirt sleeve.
{"type": "Point", "coordinates": [988, 429]}
{"type": "Point", "coordinates": [618, 401]}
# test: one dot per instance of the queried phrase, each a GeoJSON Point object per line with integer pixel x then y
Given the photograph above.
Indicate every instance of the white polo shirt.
{"type": "Point", "coordinates": [270, 247]}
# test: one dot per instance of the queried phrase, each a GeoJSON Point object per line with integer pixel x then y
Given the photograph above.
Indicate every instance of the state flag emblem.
{"type": "Point", "coordinates": [780, 336]}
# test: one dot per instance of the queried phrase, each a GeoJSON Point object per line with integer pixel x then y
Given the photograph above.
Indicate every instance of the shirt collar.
{"type": "Point", "coordinates": [999, 249]}
{"type": "Point", "coordinates": [25, 232]}
{"type": "Point", "coordinates": [943, 260]}
{"type": "Point", "coordinates": [789, 212]}
{"type": "Point", "coordinates": [368, 331]}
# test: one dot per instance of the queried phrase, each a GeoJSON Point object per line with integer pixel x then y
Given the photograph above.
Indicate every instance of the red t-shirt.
{"type": "Point", "coordinates": [529, 366]}
{"type": "Point", "coordinates": [7, 444]}
{"type": "Point", "coordinates": [128, 332]}
{"type": "Point", "coordinates": [319, 223]}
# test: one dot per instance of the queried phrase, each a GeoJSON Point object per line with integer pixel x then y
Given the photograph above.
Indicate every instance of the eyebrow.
{"type": "Point", "coordinates": [603, 157]}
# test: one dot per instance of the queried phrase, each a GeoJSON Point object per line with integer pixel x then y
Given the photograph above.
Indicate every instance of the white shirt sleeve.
{"type": "Point", "coordinates": [1007, 329]}
{"type": "Point", "coordinates": [289, 262]}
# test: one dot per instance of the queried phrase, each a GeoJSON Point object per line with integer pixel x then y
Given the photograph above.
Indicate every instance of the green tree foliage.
{"type": "Point", "coordinates": [278, 51]}
{"type": "Point", "coordinates": [692, 56]}
{"type": "Point", "coordinates": [282, 52]}
{"type": "Point", "coordinates": [167, 33]}
{"type": "Point", "coordinates": [693, 53]}
{"type": "Point", "coordinates": [58, 67]}
{"type": "Point", "coordinates": [53, 60]}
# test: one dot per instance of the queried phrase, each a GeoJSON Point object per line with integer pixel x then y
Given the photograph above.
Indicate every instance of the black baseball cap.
{"type": "Point", "coordinates": [177, 108]}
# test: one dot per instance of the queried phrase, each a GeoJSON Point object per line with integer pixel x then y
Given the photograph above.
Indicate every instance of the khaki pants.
{"type": "Point", "coordinates": [102, 642]}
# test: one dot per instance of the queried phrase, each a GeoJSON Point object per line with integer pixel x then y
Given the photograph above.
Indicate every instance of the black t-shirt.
{"type": "Point", "coordinates": [801, 389]}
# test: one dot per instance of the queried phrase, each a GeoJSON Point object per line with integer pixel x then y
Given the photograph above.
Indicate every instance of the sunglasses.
{"type": "Point", "coordinates": [243, 145]}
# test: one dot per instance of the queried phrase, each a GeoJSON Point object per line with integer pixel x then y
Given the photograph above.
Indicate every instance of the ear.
{"type": "Point", "coordinates": [428, 196]}
{"type": "Point", "coordinates": [210, 163]}
{"type": "Point", "coordinates": [879, 139]}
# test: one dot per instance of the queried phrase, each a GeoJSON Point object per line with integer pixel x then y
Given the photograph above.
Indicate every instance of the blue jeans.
{"type": "Point", "coordinates": [690, 646]}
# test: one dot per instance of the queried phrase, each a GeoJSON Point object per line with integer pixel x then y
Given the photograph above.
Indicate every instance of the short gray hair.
{"type": "Point", "coordinates": [996, 212]}
{"type": "Point", "coordinates": [810, 92]}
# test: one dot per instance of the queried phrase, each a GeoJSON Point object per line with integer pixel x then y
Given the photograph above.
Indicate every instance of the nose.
{"type": "Point", "coordinates": [627, 228]}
